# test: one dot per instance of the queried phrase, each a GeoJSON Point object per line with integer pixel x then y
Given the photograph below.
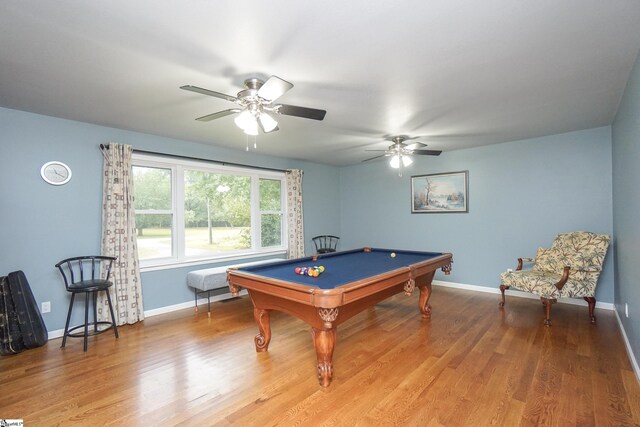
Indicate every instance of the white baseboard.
{"type": "Point", "coordinates": [202, 302]}
{"type": "Point", "coordinates": [519, 294]}
{"type": "Point", "coordinates": [56, 334]}
{"type": "Point", "coordinates": [627, 344]}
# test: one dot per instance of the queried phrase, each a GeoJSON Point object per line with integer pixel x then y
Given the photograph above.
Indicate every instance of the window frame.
{"type": "Point", "coordinates": [178, 244]}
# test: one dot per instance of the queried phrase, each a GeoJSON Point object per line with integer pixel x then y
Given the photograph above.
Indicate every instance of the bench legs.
{"type": "Point", "coordinates": [196, 292]}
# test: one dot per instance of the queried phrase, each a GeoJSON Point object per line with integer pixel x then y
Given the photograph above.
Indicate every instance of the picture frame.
{"type": "Point", "coordinates": [440, 193]}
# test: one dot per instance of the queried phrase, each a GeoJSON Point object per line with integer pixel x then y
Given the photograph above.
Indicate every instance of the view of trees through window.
{"type": "Point", "coordinates": [217, 212]}
{"type": "Point", "coordinates": [270, 212]}
{"type": "Point", "coordinates": [214, 215]}
{"type": "Point", "coordinates": [154, 212]}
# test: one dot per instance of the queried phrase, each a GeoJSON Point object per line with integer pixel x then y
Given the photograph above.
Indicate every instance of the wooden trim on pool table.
{"type": "Point", "coordinates": [340, 295]}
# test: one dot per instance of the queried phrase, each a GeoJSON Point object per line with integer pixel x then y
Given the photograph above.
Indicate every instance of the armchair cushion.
{"type": "Point", "coordinates": [534, 281]}
{"type": "Point", "coordinates": [542, 283]}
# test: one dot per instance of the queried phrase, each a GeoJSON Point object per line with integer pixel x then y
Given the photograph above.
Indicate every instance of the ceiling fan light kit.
{"type": "Point", "coordinates": [247, 122]}
{"type": "Point", "coordinates": [268, 123]}
{"type": "Point", "coordinates": [257, 106]}
{"type": "Point", "coordinates": [398, 158]}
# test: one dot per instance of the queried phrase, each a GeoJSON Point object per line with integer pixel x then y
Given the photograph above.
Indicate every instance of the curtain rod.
{"type": "Point", "coordinates": [220, 162]}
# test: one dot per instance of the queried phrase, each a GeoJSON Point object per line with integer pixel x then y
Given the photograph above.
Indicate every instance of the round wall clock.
{"type": "Point", "coordinates": [55, 173]}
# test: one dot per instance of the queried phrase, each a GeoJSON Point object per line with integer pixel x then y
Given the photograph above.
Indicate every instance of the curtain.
{"type": "Point", "coordinates": [119, 237]}
{"type": "Point", "coordinates": [295, 228]}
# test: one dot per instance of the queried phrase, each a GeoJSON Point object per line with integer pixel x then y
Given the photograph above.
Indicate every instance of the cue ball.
{"type": "Point", "coordinates": [393, 254]}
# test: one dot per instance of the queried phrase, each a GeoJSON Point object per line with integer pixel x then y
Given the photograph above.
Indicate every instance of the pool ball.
{"type": "Point", "coordinates": [393, 254]}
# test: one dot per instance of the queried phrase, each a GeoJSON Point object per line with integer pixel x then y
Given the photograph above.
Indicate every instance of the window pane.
{"type": "Point", "coordinates": [271, 230]}
{"type": "Point", "coordinates": [270, 195]}
{"type": "Point", "coordinates": [152, 188]}
{"type": "Point", "coordinates": [217, 213]}
{"type": "Point", "coordinates": [154, 235]}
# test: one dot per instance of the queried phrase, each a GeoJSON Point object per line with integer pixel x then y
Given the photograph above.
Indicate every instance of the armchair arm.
{"type": "Point", "coordinates": [563, 280]}
{"type": "Point", "coordinates": [521, 260]}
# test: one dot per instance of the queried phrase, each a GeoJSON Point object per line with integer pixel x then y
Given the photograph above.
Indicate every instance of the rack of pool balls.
{"type": "Point", "coordinates": [314, 271]}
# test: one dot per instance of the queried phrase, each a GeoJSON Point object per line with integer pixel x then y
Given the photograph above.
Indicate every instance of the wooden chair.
{"type": "Point", "coordinates": [325, 244]}
{"type": "Point", "coordinates": [82, 275]}
{"type": "Point", "coordinates": [570, 268]}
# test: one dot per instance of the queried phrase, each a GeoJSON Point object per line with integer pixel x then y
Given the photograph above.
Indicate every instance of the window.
{"type": "Point", "coordinates": [270, 212]}
{"type": "Point", "coordinates": [154, 212]}
{"type": "Point", "coordinates": [190, 211]}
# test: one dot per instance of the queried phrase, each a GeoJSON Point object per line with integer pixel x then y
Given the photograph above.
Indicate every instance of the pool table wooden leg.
{"type": "Point", "coordinates": [264, 324]}
{"type": "Point", "coordinates": [424, 284]}
{"type": "Point", "coordinates": [324, 341]}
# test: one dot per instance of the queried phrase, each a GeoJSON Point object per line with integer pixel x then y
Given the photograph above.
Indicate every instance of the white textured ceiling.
{"type": "Point", "coordinates": [456, 74]}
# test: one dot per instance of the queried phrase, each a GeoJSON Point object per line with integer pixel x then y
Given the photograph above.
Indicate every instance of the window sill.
{"type": "Point", "coordinates": [220, 260]}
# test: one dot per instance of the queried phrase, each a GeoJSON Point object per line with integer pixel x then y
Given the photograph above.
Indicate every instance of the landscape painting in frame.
{"type": "Point", "coordinates": [440, 193]}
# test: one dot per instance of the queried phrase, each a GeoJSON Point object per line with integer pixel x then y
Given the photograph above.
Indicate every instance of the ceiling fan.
{"type": "Point", "coordinates": [257, 105]}
{"type": "Point", "coordinates": [401, 153]}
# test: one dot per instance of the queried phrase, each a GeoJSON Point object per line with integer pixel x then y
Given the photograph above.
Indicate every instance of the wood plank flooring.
{"type": "Point", "coordinates": [470, 365]}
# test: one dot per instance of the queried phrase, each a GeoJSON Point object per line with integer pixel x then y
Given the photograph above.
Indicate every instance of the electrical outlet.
{"type": "Point", "coordinates": [626, 309]}
{"type": "Point", "coordinates": [46, 307]}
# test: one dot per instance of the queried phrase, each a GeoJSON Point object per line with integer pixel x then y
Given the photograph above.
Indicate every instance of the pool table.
{"type": "Point", "coordinates": [351, 282]}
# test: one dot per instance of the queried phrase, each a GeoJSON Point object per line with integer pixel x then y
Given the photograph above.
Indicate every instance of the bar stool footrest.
{"type": "Point", "coordinates": [93, 330]}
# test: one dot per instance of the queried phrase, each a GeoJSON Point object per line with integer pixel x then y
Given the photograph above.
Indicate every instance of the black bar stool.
{"type": "Point", "coordinates": [82, 268]}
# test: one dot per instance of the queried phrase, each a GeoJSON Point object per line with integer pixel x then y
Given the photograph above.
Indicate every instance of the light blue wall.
{"type": "Point", "coordinates": [41, 224]}
{"type": "Point", "coordinates": [626, 208]}
{"type": "Point", "coordinates": [521, 194]}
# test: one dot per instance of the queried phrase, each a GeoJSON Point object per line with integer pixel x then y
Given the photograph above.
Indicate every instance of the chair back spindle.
{"type": "Point", "coordinates": [325, 243]}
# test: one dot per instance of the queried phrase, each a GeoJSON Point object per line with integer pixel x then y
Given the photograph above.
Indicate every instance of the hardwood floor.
{"type": "Point", "coordinates": [471, 364]}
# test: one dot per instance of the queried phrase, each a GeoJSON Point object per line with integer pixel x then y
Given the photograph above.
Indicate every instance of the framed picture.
{"type": "Point", "coordinates": [440, 193]}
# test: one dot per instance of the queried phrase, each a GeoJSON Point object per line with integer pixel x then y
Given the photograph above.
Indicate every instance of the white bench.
{"type": "Point", "coordinates": [210, 279]}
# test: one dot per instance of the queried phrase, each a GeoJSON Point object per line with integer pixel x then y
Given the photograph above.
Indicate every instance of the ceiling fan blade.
{"type": "Point", "coordinates": [376, 157]}
{"type": "Point", "coordinates": [306, 113]}
{"type": "Point", "coordinates": [217, 115]}
{"type": "Point", "coordinates": [274, 88]}
{"type": "Point", "coordinates": [427, 152]}
{"type": "Point", "coordinates": [415, 146]}
{"type": "Point", "coordinates": [208, 92]}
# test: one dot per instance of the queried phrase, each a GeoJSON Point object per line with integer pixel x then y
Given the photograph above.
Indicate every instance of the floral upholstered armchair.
{"type": "Point", "coordinates": [570, 268]}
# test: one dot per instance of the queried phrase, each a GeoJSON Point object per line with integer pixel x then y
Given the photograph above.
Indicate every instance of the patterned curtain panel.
{"type": "Point", "coordinates": [119, 237]}
{"type": "Point", "coordinates": [295, 227]}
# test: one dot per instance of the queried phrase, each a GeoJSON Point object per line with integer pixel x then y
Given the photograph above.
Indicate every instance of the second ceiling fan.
{"type": "Point", "coordinates": [401, 153]}
{"type": "Point", "coordinates": [257, 105]}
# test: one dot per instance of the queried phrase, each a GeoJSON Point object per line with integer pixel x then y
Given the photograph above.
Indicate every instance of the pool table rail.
{"type": "Point", "coordinates": [340, 295]}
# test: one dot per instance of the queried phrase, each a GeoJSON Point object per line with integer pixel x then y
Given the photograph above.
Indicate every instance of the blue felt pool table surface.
{"type": "Point", "coordinates": [341, 268]}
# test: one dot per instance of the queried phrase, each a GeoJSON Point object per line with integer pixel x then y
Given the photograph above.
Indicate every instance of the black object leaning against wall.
{"type": "Point", "coordinates": [10, 335]}
{"type": "Point", "coordinates": [32, 328]}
